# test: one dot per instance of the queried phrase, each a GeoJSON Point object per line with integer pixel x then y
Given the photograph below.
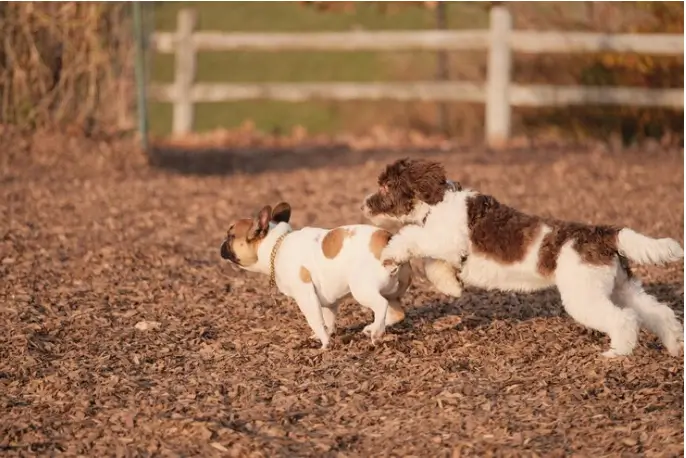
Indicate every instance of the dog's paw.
{"type": "Point", "coordinates": [675, 348]}
{"type": "Point", "coordinates": [673, 340]}
{"type": "Point", "coordinates": [453, 290]}
{"type": "Point", "coordinates": [330, 333]}
{"type": "Point", "coordinates": [367, 330]}
{"type": "Point", "coordinates": [376, 336]}
{"type": "Point", "coordinates": [612, 353]}
{"type": "Point", "coordinates": [374, 332]}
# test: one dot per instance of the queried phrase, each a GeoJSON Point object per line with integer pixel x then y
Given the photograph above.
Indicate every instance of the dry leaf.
{"type": "Point", "coordinates": [147, 325]}
{"type": "Point", "coordinates": [219, 447]}
{"type": "Point", "coordinates": [517, 376]}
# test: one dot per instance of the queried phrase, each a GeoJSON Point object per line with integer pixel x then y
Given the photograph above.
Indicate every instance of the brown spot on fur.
{"type": "Point", "coordinates": [378, 241]}
{"type": "Point", "coordinates": [498, 231]}
{"type": "Point", "coordinates": [305, 275]}
{"type": "Point", "coordinates": [406, 181]}
{"type": "Point", "coordinates": [595, 245]}
{"type": "Point", "coordinates": [505, 235]}
{"type": "Point", "coordinates": [332, 243]}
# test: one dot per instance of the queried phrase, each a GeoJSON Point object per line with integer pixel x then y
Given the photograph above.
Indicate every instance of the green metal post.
{"type": "Point", "coordinates": [140, 75]}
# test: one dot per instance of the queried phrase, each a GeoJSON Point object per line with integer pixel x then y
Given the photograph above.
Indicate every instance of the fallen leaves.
{"type": "Point", "coordinates": [147, 325]}
{"type": "Point", "coordinates": [219, 447]}
{"type": "Point", "coordinates": [123, 330]}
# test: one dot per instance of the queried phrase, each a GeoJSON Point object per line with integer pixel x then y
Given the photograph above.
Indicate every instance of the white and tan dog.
{"type": "Point", "coordinates": [319, 267]}
{"type": "Point", "coordinates": [497, 247]}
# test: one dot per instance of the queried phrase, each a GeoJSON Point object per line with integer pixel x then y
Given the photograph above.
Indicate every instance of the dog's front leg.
{"type": "Point", "coordinates": [444, 276]}
{"type": "Point", "coordinates": [403, 245]}
{"type": "Point", "coordinates": [309, 305]}
{"type": "Point", "coordinates": [412, 242]}
{"type": "Point", "coordinates": [329, 313]}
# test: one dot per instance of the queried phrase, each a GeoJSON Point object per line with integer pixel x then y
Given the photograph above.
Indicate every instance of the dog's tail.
{"type": "Point", "coordinates": [647, 250]}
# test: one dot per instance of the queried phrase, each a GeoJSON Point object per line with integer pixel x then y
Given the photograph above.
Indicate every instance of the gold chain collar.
{"type": "Point", "coordinates": [272, 258]}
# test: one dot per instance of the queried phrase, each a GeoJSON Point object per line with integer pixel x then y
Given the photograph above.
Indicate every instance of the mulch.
{"type": "Point", "coordinates": [124, 334]}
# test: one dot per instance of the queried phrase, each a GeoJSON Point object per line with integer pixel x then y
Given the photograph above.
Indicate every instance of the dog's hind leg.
{"type": "Point", "coordinates": [395, 313]}
{"type": "Point", "coordinates": [657, 317]}
{"type": "Point", "coordinates": [585, 291]}
{"type": "Point", "coordinates": [329, 314]}
{"type": "Point", "coordinates": [367, 294]}
{"type": "Point", "coordinates": [309, 305]}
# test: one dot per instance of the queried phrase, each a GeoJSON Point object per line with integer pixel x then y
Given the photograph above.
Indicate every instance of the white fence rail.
{"type": "Point", "coordinates": [498, 92]}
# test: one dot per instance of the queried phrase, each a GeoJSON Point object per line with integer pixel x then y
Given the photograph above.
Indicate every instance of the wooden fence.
{"type": "Point", "coordinates": [498, 93]}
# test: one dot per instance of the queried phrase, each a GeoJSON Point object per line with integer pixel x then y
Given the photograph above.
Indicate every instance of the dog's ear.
{"type": "Point", "coordinates": [394, 171]}
{"type": "Point", "coordinates": [428, 181]}
{"type": "Point", "coordinates": [281, 213]}
{"type": "Point", "coordinates": [260, 225]}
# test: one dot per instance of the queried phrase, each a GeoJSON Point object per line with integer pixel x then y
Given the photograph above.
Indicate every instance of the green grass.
{"type": "Point", "coordinates": [296, 66]}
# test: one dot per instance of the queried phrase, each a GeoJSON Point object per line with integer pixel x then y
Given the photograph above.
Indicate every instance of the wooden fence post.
{"type": "Point", "coordinates": [498, 78]}
{"type": "Point", "coordinates": [184, 73]}
{"type": "Point", "coordinates": [442, 72]}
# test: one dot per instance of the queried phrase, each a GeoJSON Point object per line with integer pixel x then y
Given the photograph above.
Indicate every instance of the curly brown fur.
{"type": "Point", "coordinates": [596, 245]}
{"type": "Point", "coordinates": [498, 231]}
{"type": "Point", "coordinates": [506, 235]}
{"type": "Point", "coordinates": [406, 181]}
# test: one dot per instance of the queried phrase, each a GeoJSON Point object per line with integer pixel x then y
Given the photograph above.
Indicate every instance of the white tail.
{"type": "Point", "coordinates": [647, 250]}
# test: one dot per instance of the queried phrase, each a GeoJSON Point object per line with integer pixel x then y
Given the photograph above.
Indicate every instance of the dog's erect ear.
{"type": "Point", "coordinates": [260, 225]}
{"type": "Point", "coordinates": [263, 217]}
{"type": "Point", "coordinates": [281, 213]}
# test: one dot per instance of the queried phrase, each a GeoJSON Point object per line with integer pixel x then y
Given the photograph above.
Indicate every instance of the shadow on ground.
{"type": "Point", "coordinates": [478, 308]}
{"type": "Point", "coordinates": [255, 160]}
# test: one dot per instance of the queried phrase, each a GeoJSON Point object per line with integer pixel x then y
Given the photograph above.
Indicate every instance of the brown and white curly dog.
{"type": "Point", "coordinates": [498, 247]}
